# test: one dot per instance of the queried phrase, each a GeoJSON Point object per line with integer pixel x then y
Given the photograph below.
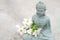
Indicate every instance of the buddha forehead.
{"type": "Point", "coordinates": [40, 5]}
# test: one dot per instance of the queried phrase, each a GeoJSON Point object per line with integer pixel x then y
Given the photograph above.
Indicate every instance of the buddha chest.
{"type": "Point", "coordinates": [40, 22]}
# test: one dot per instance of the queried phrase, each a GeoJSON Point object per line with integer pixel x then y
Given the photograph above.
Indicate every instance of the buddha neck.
{"type": "Point", "coordinates": [41, 15]}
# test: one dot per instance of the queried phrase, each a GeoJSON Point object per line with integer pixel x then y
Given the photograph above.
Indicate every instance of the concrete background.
{"type": "Point", "coordinates": [13, 11]}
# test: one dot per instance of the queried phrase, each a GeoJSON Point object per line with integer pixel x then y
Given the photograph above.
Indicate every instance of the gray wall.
{"type": "Point", "coordinates": [13, 11]}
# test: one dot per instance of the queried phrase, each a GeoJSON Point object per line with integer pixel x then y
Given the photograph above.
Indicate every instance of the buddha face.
{"type": "Point", "coordinates": [40, 8]}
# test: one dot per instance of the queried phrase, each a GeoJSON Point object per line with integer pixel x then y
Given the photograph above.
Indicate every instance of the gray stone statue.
{"type": "Point", "coordinates": [41, 21]}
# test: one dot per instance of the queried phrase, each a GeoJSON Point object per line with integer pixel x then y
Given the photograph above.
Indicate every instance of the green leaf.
{"type": "Point", "coordinates": [33, 27]}
{"type": "Point", "coordinates": [33, 24]}
{"type": "Point", "coordinates": [33, 30]}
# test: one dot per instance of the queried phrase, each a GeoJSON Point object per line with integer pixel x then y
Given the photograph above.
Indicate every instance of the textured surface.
{"type": "Point", "coordinates": [11, 11]}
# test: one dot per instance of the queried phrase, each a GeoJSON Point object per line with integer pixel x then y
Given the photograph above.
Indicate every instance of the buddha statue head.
{"type": "Point", "coordinates": [40, 9]}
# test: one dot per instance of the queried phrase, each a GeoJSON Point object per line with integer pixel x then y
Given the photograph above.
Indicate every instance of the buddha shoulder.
{"type": "Point", "coordinates": [34, 17]}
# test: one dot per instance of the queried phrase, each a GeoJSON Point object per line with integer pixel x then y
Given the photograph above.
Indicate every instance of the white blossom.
{"type": "Point", "coordinates": [22, 31]}
{"type": "Point", "coordinates": [30, 22]}
{"type": "Point", "coordinates": [38, 30]}
{"type": "Point", "coordinates": [27, 23]}
{"type": "Point", "coordinates": [29, 31]}
{"type": "Point", "coordinates": [35, 33]}
{"type": "Point", "coordinates": [25, 28]}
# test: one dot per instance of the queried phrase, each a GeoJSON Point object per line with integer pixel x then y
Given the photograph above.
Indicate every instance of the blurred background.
{"type": "Point", "coordinates": [12, 12]}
